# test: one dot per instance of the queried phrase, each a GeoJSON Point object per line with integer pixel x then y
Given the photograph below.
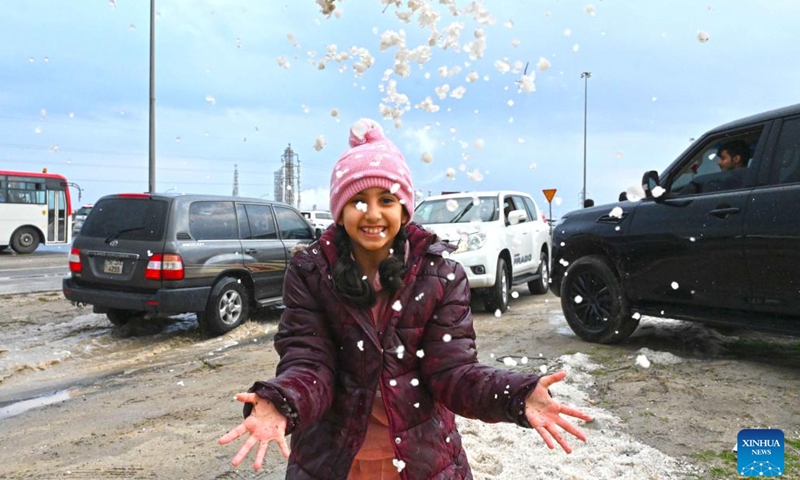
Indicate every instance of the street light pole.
{"type": "Point", "coordinates": [586, 76]}
{"type": "Point", "coordinates": [152, 136]}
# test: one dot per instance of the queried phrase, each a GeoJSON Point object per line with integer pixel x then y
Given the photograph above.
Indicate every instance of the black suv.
{"type": "Point", "coordinates": [721, 247]}
{"type": "Point", "coordinates": [160, 255]}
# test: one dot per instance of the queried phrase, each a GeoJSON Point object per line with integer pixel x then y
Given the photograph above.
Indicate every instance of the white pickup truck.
{"type": "Point", "coordinates": [502, 239]}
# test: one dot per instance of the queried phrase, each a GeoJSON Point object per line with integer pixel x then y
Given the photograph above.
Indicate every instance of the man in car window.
{"type": "Point", "coordinates": [732, 158]}
{"type": "Point", "coordinates": [733, 155]}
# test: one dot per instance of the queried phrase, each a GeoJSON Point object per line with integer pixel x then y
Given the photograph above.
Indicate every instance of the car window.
{"type": "Point", "coordinates": [519, 204]}
{"type": "Point", "coordinates": [508, 207]}
{"type": "Point", "coordinates": [457, 210]}
{"type": "Point", "coordinates": [787, 154]}
{"type": "Point", "coordinates": [140, 219]}
{"type": "Point", "coordinates": [533, 213]}
{"type": "Point", "coordinates": [261, 222]}
{"type": "Point", "coordinates": [325, 216]}
{"type": "Point", "coordinates": [213, 221]}
{"type": "Point", "coordinates": [702, 172]}
{"type": "Point", "coordinates": [292, 226]}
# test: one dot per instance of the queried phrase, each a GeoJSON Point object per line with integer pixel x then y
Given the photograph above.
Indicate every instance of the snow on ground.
{"type": "Point", "coordinates": [508, 452]}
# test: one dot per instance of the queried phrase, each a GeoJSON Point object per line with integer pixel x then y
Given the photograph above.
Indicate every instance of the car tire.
{"type": "Point", "coordinates": [119, 317]}
{"type": "Point", "coordinates": [594, 302]}
{"type": "Point", "coordinates": [541, 284]}
{"type": "Point", "coordinates": [25, 240]}
{"type": "Point", "coordinates": [228, 306]}
{"type": "Point", "coordinates": [497, 296]}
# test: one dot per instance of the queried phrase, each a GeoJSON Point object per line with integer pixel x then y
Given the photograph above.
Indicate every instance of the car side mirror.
{"type": "Point", "coordinates": [649, 182]}
{"type": "Point", "coordinates": [517, 216]}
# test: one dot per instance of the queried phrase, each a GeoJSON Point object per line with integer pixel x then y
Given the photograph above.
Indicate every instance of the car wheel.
{"type": "Point", "coordinates": [25, 240]}
{"type": "Point", "coordinates": [227, 307]}
{"type": "Point", "coordinates": [541, 284]}
{"type": "Point", "coordinates": [594, 302]}
{"type": "Point", "coordinates": [497, 297]}
{"type": "Point", "coordinates": [119, 317]}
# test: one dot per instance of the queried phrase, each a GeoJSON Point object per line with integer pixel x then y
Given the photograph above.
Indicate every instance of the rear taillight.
{"type": "Point", "coordinates": [168, 266]}
{"type": "Point", "coordinates": [544, 219]}
{"type": "Point", "coordinates": [75, 261]}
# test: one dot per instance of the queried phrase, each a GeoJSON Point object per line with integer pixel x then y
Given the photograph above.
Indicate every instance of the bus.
{"type": "Point", "coordinates": [35, 208]}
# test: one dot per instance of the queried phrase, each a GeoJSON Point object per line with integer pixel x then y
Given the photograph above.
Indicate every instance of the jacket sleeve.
{"type": "Point", "coordinates": [304, 384]}
{"type": "Point", "coordinates": [450, 365]}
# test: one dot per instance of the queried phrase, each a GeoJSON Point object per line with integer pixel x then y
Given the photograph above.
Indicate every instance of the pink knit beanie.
{"type": "Point", "coordinates": [372, 161]}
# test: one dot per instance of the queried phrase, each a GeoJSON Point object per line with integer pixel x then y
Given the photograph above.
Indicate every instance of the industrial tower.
{"type": "Point", "coordinates": [287, 178]}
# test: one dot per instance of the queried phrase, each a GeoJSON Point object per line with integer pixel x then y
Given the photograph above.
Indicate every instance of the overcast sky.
{"type": "Point", "coordinates": [239, 80]}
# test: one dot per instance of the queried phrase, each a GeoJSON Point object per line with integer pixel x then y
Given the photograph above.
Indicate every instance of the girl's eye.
{"type": "Point", "coordinates": [388, 200]}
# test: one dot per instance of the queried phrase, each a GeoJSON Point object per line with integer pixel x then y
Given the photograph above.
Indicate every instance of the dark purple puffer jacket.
{"type": "Point", "coordinates": [333, 360]}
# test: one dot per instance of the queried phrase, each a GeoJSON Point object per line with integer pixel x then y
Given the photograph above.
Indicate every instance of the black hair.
{"type": "Point", "coordinates": [736, 147]}
{"type": "Point", "coordinates": [349, 282]}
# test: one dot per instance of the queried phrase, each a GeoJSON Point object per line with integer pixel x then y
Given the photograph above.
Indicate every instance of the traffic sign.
{"type": "Point", "coordinates": [549, 193]}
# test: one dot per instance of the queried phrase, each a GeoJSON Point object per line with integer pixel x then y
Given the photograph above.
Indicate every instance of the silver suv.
{"type": "Point", "coordinates": [502, 239]}
{"type": "Point", "coordinates": [148, 255]}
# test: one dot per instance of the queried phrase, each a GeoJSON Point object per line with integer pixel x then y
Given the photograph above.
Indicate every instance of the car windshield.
{"type": "Point", "coordinates": [457, 210]}
{"type": "Point", "coordinates": [128, 218]}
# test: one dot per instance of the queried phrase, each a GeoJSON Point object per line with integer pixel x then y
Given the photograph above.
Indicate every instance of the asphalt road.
{"type": "Point", "coordinates": [40, 271]}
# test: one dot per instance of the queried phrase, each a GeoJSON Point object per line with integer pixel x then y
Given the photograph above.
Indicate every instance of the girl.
{"type": "Point", "coordinates": [377, 346]}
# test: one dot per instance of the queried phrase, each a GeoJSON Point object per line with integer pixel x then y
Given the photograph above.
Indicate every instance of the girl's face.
{"type": "Point", "coordinates": [372, 219]}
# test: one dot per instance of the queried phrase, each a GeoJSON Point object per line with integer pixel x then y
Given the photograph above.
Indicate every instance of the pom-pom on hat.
{"type": "Point", "coordinates": [372, 161]}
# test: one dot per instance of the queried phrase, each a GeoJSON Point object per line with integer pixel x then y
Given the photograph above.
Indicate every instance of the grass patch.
{"type": "Point", "coordinates": [722, 465]}
{"type": "Point", "coordinates": [767, 350]}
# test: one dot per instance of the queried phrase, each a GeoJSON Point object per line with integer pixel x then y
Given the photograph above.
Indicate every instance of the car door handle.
{"type": "Point", "coordinates": [724, 212]}
{"type": "Point", "coordinates": [251, 251]}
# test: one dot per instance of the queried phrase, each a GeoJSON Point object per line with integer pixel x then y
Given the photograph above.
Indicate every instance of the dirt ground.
{"type": "Point", "coordinates": [79, 399]}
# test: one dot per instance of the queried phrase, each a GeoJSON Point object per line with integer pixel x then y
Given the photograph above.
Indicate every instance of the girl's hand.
{"type": "Point", "coordinates": [264, 424]}
{"type": "Point", "coordinates": [544, 414]}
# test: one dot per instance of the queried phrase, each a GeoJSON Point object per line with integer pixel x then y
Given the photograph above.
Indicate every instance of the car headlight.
{"type": "Point", "coordinates": [471, 241]}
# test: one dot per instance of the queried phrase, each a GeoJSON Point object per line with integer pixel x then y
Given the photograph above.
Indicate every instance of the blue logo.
{"type": "Point", "coordinates": [760, 453]}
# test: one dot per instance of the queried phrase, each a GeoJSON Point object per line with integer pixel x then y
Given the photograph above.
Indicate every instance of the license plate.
{"type": "Point", "coordinates": [112, 266]}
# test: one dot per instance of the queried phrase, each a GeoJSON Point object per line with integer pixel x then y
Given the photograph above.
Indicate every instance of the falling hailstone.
{"type": "Point", "coordinates": [319, 142]}
{"type": "Point", "coordinates": [514, 294]}
{"type": "Point", "coordinates": [543, 64]}
{"type": "Point", "coordinates": [360, 345]}
{"type": "Point", "coordinates": [451, 173]}
{"type": "Point", "coordinates": [427, 157]}
{"type": "Point", "coordinates": [397, 306]}
{"type": "Point", "coordinates": [674, 285]}
{"type": "Point", "coordinates": [498, 313]}
{"type": "Point", "coordinates": [578, 299]}
{"type": "Point", "coordinates": [447, 337]}
{"type": "Point", "coordinates": [361, 206]}
{"type": "Point", "coordinates": [703, 36]}
{"type": "Point", "coordinates": [452, 205]}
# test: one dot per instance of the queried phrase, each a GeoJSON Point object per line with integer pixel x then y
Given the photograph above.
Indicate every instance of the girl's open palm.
{"type": "Point", "coordinates": [544, 414]}
{"type": "Point", "coordinates": [264, 424]}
